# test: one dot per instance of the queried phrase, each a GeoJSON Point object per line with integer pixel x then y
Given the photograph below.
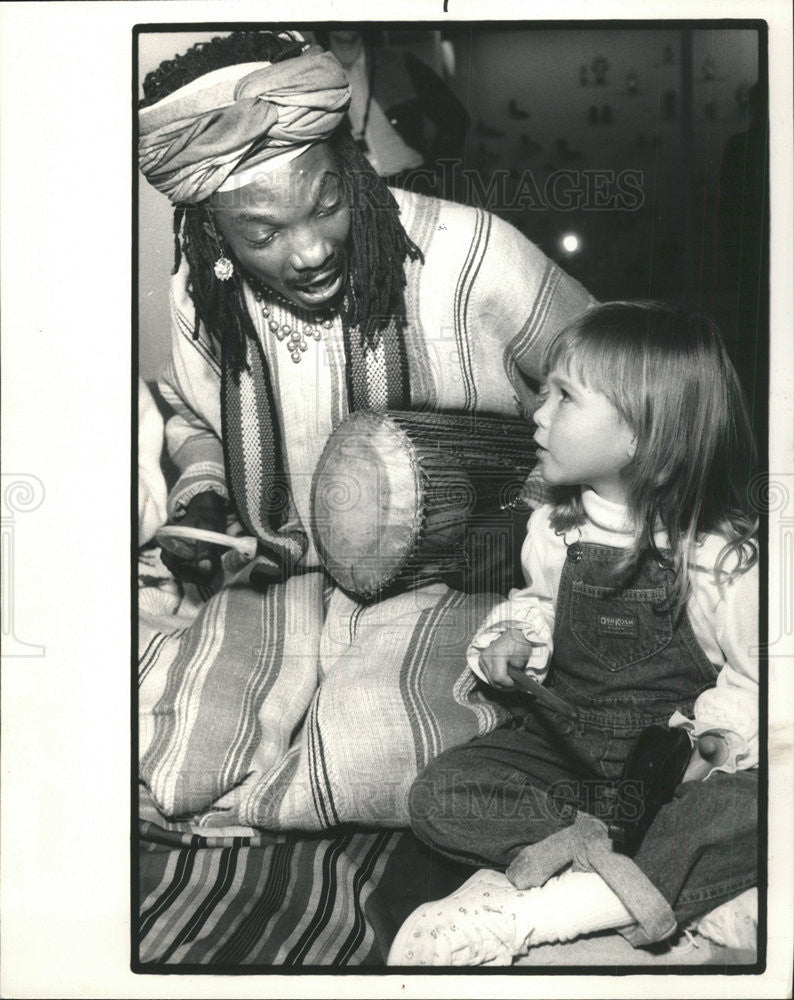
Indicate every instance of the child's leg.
{"type": "Point", "coordinates": [701, 849]}
{"type": "Point", "coordinates": [481, 802]}
{"type": "Point", "coordinates": [699, 852]}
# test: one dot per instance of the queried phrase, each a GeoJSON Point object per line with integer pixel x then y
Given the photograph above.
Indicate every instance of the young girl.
{"type": "Point", "coordinates": [640, 608]}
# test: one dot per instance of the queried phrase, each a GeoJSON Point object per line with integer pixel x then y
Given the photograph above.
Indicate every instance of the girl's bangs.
{"type": "Point", "coordinates": [597, 359]}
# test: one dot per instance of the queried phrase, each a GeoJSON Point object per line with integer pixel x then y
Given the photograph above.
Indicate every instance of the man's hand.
{"type": "Point", "coordinates": [509, 649]}
{"type": "Point", "coordinates": [710, 751]}
{"type": "Point", "coordinates": [194, 561]}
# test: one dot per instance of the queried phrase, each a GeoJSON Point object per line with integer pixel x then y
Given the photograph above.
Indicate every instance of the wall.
{"type": "Point", "coordinates": [155, 242]}
{"type": "Point", "coordinates": [654, 244]}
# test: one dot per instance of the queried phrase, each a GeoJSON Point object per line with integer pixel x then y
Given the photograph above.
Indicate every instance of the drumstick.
{"type": "Point", "coordinates": [537, 690]}
{"type": "Point", "coordinates": [557, 705]}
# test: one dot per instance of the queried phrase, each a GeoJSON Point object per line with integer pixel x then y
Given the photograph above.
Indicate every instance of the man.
{"type": "Point", "coordinates": [306, 289]}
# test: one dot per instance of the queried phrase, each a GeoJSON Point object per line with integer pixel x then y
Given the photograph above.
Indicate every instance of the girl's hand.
{"type": "Point", "coordinates": [191, 560]}
{"type": "Point", "coordinates": [509, 649]}
{"type": "Point", "coordinates": [710, 751]}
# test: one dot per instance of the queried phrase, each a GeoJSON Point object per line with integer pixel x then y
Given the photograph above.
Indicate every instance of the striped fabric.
{"type": "Point", "coordinates": [251, 450]}
{"type": "Point", "coordinates": [463, 291]}
{"type": "Point", "coordinates": [284, 900]}
{"type": "Point", "coordinates": [232, 716]}
{"type": "Point", "coordinates": [293, 902]}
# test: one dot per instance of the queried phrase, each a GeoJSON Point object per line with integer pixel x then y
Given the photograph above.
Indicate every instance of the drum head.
{"type": "Point", "coordinates": [366, 502]}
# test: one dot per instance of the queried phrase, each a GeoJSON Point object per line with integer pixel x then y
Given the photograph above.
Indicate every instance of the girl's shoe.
{"type": "Point", "coordinates": [476, 925]}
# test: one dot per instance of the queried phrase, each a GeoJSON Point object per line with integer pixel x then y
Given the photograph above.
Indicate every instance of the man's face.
{"type": "Point", "coordinates": [290, 227]}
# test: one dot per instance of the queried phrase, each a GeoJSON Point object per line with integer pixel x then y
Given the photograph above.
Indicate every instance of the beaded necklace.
{"type": "Point", "coordinates": [297, 331]}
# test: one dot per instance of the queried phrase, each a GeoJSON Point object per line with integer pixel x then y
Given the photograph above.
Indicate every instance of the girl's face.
{"type": "Point", "coordinates": [581, 437]}
{"type": "Point", "coordinates": [290, 228]}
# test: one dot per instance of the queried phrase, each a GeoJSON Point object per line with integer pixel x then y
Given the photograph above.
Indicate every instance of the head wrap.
{"type": "Point", "coordinates": [191, 141]}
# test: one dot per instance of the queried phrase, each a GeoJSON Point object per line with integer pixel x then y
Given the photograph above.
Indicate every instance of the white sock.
{"type": "Point", "coordinates": [567, 906]}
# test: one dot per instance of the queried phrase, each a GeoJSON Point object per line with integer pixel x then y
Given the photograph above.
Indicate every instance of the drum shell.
{"type": "Point", "coordinates": [394, 492]}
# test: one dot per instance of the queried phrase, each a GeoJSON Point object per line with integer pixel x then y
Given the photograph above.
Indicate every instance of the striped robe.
{"type": "Point", "coordinates": [297, 706]}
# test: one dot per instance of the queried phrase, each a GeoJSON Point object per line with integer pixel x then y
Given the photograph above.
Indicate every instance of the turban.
{"type": "Point", "coordinates": [191, 141]}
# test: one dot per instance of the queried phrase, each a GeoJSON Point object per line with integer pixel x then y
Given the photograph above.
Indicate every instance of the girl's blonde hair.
{"type": "Point", "coordinates": [668, 374]}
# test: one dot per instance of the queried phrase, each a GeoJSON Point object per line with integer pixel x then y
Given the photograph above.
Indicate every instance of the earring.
{"type": "Point", "coordinates": [223, 268]}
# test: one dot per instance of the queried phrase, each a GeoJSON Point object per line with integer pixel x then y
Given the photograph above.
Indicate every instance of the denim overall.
{"type": "Point", "coordinates": [624, 664]}
{"type": "Point", "coordinates": [618, 658]}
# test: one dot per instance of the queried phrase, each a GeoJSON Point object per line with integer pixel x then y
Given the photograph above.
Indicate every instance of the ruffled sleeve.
{"type": "Point", "coordinates": [731, 706]}
{"type": "Point", "coordinates": [531, 608]}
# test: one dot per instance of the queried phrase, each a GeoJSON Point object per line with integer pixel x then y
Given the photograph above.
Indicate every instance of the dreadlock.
{"type": "Point", "coordinates": [379, 245]}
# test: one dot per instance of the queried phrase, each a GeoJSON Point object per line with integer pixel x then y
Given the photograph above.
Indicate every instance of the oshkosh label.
{"type": "Point", "coordinates": [619, 625]}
